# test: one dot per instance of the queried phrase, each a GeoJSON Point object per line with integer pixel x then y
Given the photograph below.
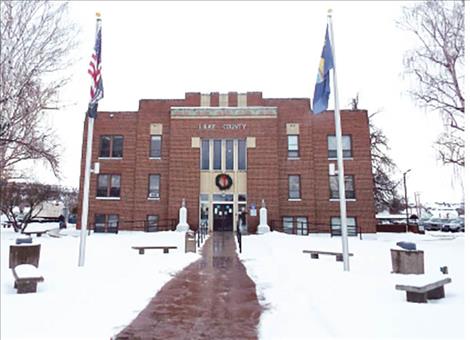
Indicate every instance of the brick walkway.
{"type": "Point", "coordinates": [212, 298]}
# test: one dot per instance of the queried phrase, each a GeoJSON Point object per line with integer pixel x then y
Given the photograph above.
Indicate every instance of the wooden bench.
{"type": "Point", "coordinates": [421, 294]}
{"type": "Point", "coordinates": [38, 233]}
{"type": "Point", "coordinates": [26, 277]}
{"type": "Point", "coordinates": [166, 249]}
{"type": "Point", "coordinates": [314, 254]}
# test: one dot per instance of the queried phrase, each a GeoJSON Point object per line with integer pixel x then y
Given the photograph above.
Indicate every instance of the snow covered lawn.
{"type": "Point", "coordinates": [91, 302]}
{"type": "Point", "coordinates": [314, 298]}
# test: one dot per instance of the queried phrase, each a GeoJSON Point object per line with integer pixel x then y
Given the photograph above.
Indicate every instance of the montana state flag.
{"type": "Point", "coordinates": [322, 86]}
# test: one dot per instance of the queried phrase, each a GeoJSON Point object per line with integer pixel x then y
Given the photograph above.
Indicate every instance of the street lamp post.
{"type": "Point", "coordinates": [406, 199]}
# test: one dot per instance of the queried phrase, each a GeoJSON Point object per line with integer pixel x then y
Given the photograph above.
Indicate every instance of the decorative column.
{"type": "Point", "coordinates": [263, 226]}
{"type": "Point", "coordinates": [183, 224]}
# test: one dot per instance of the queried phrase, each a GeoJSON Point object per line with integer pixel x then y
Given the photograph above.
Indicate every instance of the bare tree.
{"type": "Point", "coordinates": [27, 196]}
{"type": "Point", "coordinates": [36, 40]}
{"type": "Point", "coordinates": [437, 66]}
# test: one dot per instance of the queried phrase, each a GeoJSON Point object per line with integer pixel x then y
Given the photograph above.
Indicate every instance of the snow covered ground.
{"type": "Point", "coordinates": [90, 302]}
{"type": "Point", "coordinates": [315, 299]}
{"type": "Point", "coordinates": [304, 298]}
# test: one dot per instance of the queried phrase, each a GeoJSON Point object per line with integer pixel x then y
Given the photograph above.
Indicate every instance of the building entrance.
{"type": "Point", "coordinates": [223, 217]}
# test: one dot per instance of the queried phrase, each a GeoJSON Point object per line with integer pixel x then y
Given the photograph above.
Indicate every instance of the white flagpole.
{"type": "Point", "coordinates": [86, 192]}
{"type": "Point", "coordinates": [339, 150]}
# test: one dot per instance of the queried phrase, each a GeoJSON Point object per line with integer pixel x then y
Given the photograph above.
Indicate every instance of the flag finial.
{"type": "Point", "coordinates": [330, 12]}
{"type": "Point", "coordinates": [98, 14]}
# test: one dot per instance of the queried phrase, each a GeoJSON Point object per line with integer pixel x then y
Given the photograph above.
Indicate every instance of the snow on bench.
{"type": "Point", "coordinates": [420, 290]}
{"type": "Point", "coordinates": [26, 277]}
{"type": "Point", "coordinates": [314, 254]}
{"type": "Point", "coordinates": [166, 249]}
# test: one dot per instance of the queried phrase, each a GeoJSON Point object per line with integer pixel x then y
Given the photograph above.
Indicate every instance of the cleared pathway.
{"type": "Point", "coordinates": [212, 298]}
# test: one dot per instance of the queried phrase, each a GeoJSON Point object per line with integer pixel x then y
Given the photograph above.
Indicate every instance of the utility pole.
{"type": "Point", "coordinates": [406, 200]}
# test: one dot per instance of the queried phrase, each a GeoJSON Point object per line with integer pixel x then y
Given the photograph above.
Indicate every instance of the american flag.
{"type": "Point", "coordinates": [96, 88]}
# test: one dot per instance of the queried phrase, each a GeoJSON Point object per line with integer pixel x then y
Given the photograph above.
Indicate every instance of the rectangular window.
{"type": "Point", "coordinates": [154, 186]}
{"type": "Point", "coordinates": [115, 187]}
{"type": "Point", "coordinates": [229, 155]}
{"type": "Point", "coordinates": [152, 223]}
{"type": "Point", "coordinates": [348, 187]}
{"type": "Point", "coordinates": [113, 221]}
{"type": "Point", "coordinates": [293, 146]}
{"type": "Point", "coordinates": [106, 223]}
{"type": "Point", "coordinates": [100, 222]}
{"type": "Point", "coordinates": [350, 223]}
{"type": "Point", "coordinates": [288, 225]}
{"type": "Point", "coordinates": [302, 226]}
{"type": "Point", "coordinates": [118, 145]}
{"type": "Point", "coordinates": [205, 154]}
{"type": "Point", "coordinates": [108, 186]}
{"type": "Point", "coordinates": [105, 146]}
{"type": "Point", "coordinates": [102, 187]}
{"type": "Point", "coordinates": [155, 146]}
{"type": "Point", "coordinates": [241, 154]}
{"type": "Point", "coordinates": [347, 146]}
{"type": "Point", "coordinates": [294, 187]}
{"type": "Point", "coordinates": [217, 161]}
{"type": "Point", "coordinates": [111, 146]}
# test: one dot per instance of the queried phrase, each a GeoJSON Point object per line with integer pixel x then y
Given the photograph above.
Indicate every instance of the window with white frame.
{"type": "Point", "coordinates": [108, 185]}
{"type": "Point", "coordinates": [293, 146]}
{"type": "Point", "coordinates": [350, 192]}
{"type": "Point", "coordinates": [154, 186]}
{"type": "Point", "coordinates": [155, 146]}
{"type": "Point", "coordinates": [294, 186]}
{"type": "Point", "coordinates": [347, 146]}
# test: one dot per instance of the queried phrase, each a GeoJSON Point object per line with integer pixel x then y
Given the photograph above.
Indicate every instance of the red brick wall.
{"type": "Point", "coordinates": [268, 166]}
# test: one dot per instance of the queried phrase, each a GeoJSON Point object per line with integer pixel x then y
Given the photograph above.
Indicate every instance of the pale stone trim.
{"type": "Point", "coordinates": [156, 129]}
{"type": "Point", "coordinates": [251, 112]}
{"type": "Point", "coordinates": [251, 142]}
{"type": "Point", "coordinates": [195, 142]}
{"type": "Point", "coordinates": [242, 100]}
{"type": "Point", "coordinates": [205, 99]}
{"type": "Point", "coordinates": [292, 129]}
{"type": "Point", "coordinates": [223, 99]}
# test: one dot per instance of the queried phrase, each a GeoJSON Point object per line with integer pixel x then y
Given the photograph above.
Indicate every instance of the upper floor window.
{"type": "Point", "coordinates": [154, 186]}
{"type": "Point", "coordinates": [205, 154]}
{"type": "Point", "coordinates": [111, 146]}
{"type": "Point", "coordinates": [229, 154]}
{"type": "Point", "coordinates": [155, 146]}
{"type": "Point", "coordinates": [217, 159]}
{"type": "Point", "coordinates": [241, 154]}
{"type": "Point", "coordinates": [347, 146]}
{"type": "Point", "coordinates": [348, 187]}
{"type": "Point", "coordinates": [108, 186]}
{"type": "Point", "coordinates": [294, 187]}
{"type": "Point", "coordinates": [293, 146]}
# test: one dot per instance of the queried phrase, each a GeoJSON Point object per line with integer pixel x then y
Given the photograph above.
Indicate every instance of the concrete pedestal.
{"type": "Point", "coordinates": [407, 261]}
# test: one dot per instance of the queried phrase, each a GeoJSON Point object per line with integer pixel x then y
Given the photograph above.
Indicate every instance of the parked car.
{"type": "Point", "coordinates": [436, 223]}
{"type": "Point", "coordinates": [455, 225]}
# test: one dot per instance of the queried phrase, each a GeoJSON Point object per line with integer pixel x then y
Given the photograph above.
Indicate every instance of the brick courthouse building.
{"type": "Point", "coordinates": [224, 154]}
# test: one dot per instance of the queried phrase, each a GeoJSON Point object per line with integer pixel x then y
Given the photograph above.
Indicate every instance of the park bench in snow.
{"type": "Point", "coordinates": [422, 293]}
{"type": "Point", "coordinates": [37, 232]}
{"type": "Point", "coordinates": [166, 249]}
{"type": "Point", "coordinates": [314, 254]}
{"type": "Point", "coordinates": [26, 277]}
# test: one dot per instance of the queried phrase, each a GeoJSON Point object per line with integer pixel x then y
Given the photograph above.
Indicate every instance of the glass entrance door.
{"type": "Point", "coordinates": [223, 217]}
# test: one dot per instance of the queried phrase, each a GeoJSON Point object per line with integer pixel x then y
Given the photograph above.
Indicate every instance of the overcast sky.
{"type": "Point", "coordinates": [164, 49]}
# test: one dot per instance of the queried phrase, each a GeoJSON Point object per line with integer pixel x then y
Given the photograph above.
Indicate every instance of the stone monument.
{"type": "Point", "coordinates": [183, 224]}
{"type": "Point", "coordinates": [263, 226]}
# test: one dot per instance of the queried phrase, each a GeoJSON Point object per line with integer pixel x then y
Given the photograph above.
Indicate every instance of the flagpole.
{"type": "Point", "coordinates": [92, 110]}
{"type": "Point", "coordinates": [86, 191]}
{"type": "Point", "coordinates": [339, 150]}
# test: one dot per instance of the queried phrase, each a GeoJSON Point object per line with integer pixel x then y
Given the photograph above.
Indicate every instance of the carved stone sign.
{"type": "Point", "coordinates": [208, 126]}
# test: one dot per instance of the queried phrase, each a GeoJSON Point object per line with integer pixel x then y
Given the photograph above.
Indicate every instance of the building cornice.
{"type": "Point", "coordinates": [198, 112]}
